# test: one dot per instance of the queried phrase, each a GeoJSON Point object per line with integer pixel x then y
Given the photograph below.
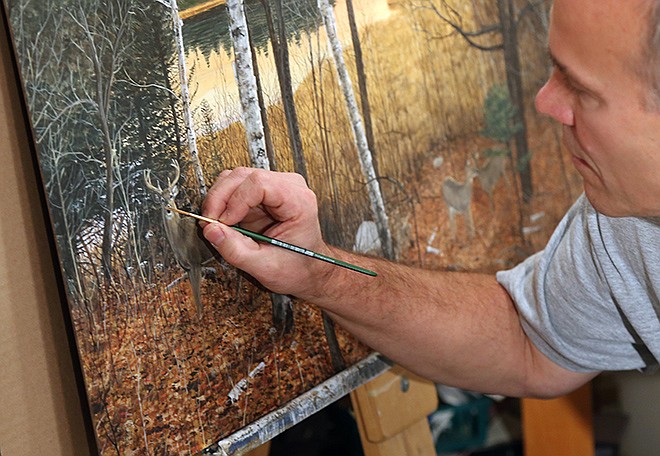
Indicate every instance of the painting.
{"type": "Point", "coordinates": [412, 120]}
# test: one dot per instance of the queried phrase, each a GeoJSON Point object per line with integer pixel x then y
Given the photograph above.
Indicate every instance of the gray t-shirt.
{"type": "Point", "coordinates": [590, 301]}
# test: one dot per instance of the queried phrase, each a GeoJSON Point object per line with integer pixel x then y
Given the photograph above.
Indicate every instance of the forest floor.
{"type": "Point", "coordinates": [164, 381]}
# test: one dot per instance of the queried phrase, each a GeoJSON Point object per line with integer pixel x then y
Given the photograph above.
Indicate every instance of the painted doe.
{"type": "Point", "coordinates": [458, 197]}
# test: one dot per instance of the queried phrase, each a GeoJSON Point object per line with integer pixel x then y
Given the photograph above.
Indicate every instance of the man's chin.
{"type": "Point", "coordinates": [614, 208]}
{"type": "Point", "coordinates": [602, 204]}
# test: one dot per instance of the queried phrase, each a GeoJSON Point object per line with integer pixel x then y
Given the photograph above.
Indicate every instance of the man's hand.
{"type": "Point", "coordinates": [279, 205]}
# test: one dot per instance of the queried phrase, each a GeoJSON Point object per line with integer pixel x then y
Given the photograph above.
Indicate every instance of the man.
{"type": "Point", "coordinates": [589, 302]}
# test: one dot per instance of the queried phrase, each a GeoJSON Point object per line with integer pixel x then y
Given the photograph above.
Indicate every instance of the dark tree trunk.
{"type": "Point", "coordinates": [282, 309]}
{"type": "Point", "coordinates": [281, 51]}
{"type": "Point", "coordinates": [336, 358]}
{"type": "Point", "coordinates": [163, 46]}
{"type": "Point", "coordinates": [514, 83]}
{"type": "Point", "coordinates": [106, 249]}
{"type": "Point", "coordinates": [362, 84]}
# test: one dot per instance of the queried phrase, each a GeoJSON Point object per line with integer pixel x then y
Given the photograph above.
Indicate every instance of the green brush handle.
{"type": "Point", "coordinates": [303, 251]}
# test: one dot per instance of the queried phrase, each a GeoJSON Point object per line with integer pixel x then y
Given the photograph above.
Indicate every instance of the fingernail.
{"type": "Point", "coordinates": [214, 234]}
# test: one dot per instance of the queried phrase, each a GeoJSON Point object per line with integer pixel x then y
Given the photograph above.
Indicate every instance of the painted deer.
{"type": "Point", "coordinates": [458, 197]}
{"type": "Point", "coordinates": [489, 174]}
{"type": "Point", "coordinates": [183, 234]}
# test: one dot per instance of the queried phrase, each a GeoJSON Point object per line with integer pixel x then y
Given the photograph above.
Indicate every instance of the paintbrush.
{"type": "Point", "coordinates": [284, 245]}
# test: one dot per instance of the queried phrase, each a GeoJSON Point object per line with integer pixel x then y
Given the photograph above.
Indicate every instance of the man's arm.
{"type": "Point", "coordinates": [459, 329]}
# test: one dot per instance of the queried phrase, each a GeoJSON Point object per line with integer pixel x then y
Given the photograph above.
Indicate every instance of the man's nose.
{"type": "Point", "coordinates": [556, 101]}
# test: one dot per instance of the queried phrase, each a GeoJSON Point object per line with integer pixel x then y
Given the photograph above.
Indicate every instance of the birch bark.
{"type": "Point", "coordinates": [247, 84]}
{"type": "Point", "coordinates": [254, 126]}
{"type": "Point", "coordinates": [364, 154]}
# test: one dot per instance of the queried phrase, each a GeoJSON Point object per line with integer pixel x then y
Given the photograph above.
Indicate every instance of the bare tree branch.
{"type": "Point", "coordinates": [456, 26]}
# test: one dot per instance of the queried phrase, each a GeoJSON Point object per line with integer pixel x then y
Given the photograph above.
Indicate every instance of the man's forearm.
{"type": "Point", "coordinates": [449, 327]}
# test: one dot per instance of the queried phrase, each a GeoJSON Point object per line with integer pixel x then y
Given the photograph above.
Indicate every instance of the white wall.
{"type": "Point", "coordinates": [40, 410]}
{"type": "Point", "coordinates": [640, 400]}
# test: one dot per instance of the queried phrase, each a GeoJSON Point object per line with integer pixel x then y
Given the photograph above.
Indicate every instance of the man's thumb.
{"type": "Point", "coordinates": [215, 234]}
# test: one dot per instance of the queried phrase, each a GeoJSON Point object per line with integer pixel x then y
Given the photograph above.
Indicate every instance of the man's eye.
{"type": "Point", "coordinates": [585, 98]}
{"type": "Point", "coordinates": [575, 89]}
{"type": "Point", "coordinates": [568, 84]}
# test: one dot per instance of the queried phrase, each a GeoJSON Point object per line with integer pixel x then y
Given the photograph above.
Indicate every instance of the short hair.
{"type": "Point", "coordinates": [649, 65]}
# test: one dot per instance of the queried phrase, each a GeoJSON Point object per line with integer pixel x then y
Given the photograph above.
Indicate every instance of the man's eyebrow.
{"type": "Point", "coordinates": [575, 80]}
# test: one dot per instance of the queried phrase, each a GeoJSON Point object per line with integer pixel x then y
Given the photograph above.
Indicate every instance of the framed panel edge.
{"type": "Point", "coordinates": [303, 406]}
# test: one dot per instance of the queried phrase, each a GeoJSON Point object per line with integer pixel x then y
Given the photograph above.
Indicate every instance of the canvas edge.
{"type": "Point", "coordinates": [303, 406]}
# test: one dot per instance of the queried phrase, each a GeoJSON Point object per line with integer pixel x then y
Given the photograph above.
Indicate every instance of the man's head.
{"type": "Point", "coordinates": [603, 90]}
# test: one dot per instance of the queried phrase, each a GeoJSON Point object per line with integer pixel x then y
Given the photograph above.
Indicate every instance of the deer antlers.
{"type": "Point", "coordinates": [171, 191]}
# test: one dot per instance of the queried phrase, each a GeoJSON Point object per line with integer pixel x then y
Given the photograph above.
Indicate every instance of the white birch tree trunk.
{"type": "Point", "coordinates": [254, 126]}
{"type": "Point", "coordinates": [185, 99]}
{"type": "Point", "coordinates": [247, 84]}
{"type": "Point", "coordinates": [364, 154]}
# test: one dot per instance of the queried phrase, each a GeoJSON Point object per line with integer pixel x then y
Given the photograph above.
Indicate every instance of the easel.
{"type": "Point", "coordinates": [559, 426]}
{"type": "Point", "coordinates": [391, 413]}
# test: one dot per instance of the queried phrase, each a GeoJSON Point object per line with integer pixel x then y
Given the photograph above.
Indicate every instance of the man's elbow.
{"type": "Point", "coordinates": [552, 390]}
{"type": "Point", "coordinates": [544, 379]}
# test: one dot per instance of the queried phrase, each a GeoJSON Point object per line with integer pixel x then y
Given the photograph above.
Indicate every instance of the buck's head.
{"type": "Point", "coordinates": [168, 194]}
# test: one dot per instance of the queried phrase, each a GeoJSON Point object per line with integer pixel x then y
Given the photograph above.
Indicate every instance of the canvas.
{"type": "Point", "coordinates": [412, 120]}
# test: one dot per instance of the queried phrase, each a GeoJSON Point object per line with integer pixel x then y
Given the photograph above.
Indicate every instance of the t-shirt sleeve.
{"type": "Point", "coordinates": [564, 302]}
